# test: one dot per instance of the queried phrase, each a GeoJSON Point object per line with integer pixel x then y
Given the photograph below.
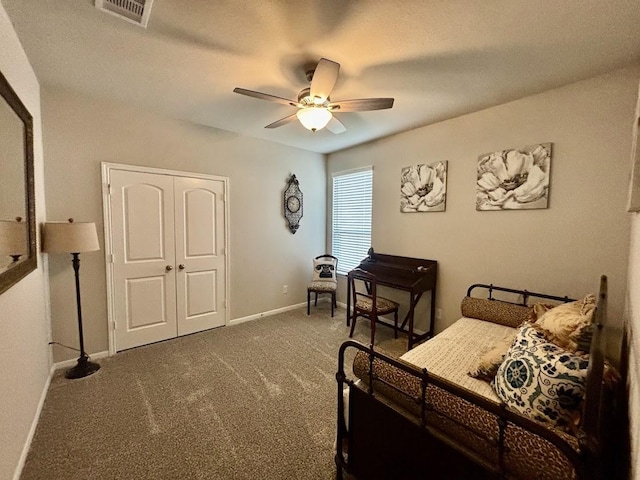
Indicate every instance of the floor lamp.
{"type": "Point", "coordinates": [73, 237]}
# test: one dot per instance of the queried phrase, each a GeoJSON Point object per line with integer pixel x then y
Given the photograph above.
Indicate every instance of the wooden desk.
{"type": "Point", "coordinates": [413, 275]}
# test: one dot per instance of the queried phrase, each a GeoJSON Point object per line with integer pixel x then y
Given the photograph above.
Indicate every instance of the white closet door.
{"type": "Point", "coordinates": [143, 247]}
{"type": "Point", "coordinates": [200, 254]}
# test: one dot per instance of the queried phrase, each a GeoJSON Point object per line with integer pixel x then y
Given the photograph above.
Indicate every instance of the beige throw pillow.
{"type": "Point", "coordinates": [568, 325]}
{"type": "Point", "coordinates": [488, 363]}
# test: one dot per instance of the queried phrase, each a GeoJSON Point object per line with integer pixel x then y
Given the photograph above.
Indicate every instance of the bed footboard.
{"type": "Point", "coordinates": [395, 447]}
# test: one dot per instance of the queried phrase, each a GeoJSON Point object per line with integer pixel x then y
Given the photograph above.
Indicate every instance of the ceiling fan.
{"type": "Point", "coordinates": [315, 108]}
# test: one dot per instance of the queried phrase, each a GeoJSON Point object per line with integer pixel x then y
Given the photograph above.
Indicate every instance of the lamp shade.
{"type": "Point", "coordinates": [69, 237]}
{"type": "Point", "coordinates": [13, 237]}
{"type": "Point", "coordinates": [314, 118]}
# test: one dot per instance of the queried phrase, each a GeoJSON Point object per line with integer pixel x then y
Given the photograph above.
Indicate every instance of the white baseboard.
{"type": "Point", "coordinates": [34, 423]}
{"type": "Point", "coordinates": [256, 316]}
{"type": "Point", "coordinates": [72, 362]}
{"type": "Point", "coordinates": [32, 430]}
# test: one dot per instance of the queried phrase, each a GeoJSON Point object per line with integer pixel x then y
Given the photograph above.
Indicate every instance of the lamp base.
{"type": "Point", "coordinates": [84, 368]}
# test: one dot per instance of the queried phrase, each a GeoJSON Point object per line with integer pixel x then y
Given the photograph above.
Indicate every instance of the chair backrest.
{"type": "Point", "coordinates": [370, 282]}
{"type": "Point", "coordinates": [325, 268]}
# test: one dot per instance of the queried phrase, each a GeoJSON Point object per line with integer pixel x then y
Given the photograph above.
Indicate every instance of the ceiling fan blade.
{"type": "Point", "coordinates": [361, 105]}
{"type": "Point", "coordinates": [336, 126]}
{"type": "Point", "coordinates": [282, 121]}
{"type": "Point", "coordinates": [265, 96]}
{"type": "Point", "coordinates": [324, 79]}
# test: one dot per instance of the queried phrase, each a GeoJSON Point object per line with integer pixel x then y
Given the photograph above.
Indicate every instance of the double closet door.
{"type": "Point", "coordinates": [168, 256]}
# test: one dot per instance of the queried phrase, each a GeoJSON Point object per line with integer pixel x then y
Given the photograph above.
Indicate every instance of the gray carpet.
{"type": "Point", "coordinates": [251, 401]}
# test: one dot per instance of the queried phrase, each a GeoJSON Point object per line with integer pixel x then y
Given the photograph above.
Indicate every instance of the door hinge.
{"type": "Point", "coordinates": [115, 325]}
{"type": "Point", "coordinates": [111, 258]}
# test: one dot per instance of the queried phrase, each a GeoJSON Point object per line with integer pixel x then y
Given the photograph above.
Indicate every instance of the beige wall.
{"type": "Point", "coordinates": [82, 132]}
{"type": "Point", "coordinates": [563, 249]}
{"type": "Point", "coordinates": [24, 354]}
{"type": "Point", "coordinates": [633, 305]}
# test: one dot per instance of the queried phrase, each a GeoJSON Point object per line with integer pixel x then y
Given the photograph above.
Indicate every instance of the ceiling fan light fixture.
{"type": "Point", "coordinates": [314, 102]}
{"type": "Point", "coordinates": [314, 118]}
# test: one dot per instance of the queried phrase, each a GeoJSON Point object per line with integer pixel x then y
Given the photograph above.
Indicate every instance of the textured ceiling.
{"type": "Point", "coordinates": [438, 59]}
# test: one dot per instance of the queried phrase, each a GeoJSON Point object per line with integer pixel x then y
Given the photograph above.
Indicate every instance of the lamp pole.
{"type": "Point", "coordinates": [84, 367]}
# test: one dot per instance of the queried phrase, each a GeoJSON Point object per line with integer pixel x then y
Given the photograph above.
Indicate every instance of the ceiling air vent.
{"type": "Point", "coordinates": [134, 11]}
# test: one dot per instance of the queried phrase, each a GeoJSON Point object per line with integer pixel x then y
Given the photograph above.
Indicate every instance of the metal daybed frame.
{"type": "Point", "coordinates": [385, 441]}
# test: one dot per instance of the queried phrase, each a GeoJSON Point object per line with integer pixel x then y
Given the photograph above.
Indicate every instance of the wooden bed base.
{"type": "Point", "coordinates": [383, 441]}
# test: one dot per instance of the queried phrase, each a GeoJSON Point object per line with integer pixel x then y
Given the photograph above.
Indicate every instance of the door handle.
{"type": "Point", "coordinates": [181, 267]}
{"type": "Point", "coordinates": [168, 268]}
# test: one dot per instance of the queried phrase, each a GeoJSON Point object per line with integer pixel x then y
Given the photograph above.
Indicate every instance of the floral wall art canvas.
{"type": "Point", "coordinates": [423, 188]}
{"type": "Point", "coordinates": [514, 179]}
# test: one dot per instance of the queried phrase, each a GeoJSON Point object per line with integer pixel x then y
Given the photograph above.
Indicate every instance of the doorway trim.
{"type": "Point", "coordinates": [106, 169]}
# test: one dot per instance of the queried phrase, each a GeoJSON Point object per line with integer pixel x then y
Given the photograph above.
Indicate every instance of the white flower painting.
{"type": "Point", "coordinates": [423, 188]}
{"type": "Point", "coordinates": [514, 179]}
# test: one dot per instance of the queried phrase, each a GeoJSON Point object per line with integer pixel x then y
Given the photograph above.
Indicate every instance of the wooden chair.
{"type": "Point", "coordinates": [325, 268]}
{"type": "Point", "coordinates": [368, 304]}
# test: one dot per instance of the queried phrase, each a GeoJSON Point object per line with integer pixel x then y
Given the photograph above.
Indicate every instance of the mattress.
{"type": "Point", "coordinates": [452, 353]}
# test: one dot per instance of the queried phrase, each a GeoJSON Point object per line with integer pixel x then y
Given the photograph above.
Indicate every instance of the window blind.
{"type": "Point", "coordinates": [351, 218]}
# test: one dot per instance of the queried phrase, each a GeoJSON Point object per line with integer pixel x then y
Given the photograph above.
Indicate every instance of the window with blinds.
{"type": "Point", "coordinates": [352, 200]}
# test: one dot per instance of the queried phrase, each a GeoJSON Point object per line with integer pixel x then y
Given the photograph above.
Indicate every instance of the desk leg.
{"type": "Point", "coordinates": [412, 309]}
{"type": "Point", "coordinates": [433, 312]}
{"type": "Point", "coordinates": [348, 301]}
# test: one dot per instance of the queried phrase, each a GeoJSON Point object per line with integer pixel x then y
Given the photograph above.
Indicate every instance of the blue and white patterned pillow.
{"type": "Point", "coordinates": [540, 379]}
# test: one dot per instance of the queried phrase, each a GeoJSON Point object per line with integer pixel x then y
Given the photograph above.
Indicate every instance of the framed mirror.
{"type": "Point", "coordinates": [17, 198]}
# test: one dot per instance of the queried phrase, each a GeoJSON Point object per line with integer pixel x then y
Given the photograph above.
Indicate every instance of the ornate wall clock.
{"type": "Point", "coordinates": [293, 203]}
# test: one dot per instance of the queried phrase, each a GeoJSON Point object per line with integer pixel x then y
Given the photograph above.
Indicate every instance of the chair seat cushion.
{"type": "Point", "coordinates": [322, 286]}
{"type": "Point", "coordinates": [384, 305]}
